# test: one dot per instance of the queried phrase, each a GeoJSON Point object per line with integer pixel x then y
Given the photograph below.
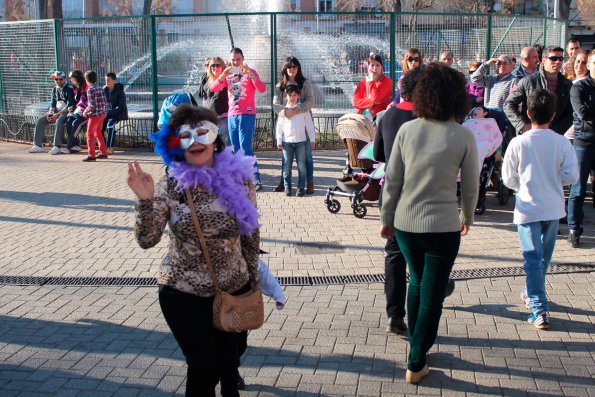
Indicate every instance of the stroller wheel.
{"type": "Point", "coordinates": [333, 206]}
{"type": "Point", "coordinates": [359, 211]}
{"type": "Point", "coordinates": [481, 208]}
{"type": "Point", "coordinates": [503, 194]}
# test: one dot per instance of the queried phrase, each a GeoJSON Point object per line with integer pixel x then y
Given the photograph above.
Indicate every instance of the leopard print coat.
{"type": "Point", "coordinates": [234, 256]}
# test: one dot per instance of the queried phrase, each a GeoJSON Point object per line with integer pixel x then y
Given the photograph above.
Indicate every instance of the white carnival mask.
{"type": "Point", "coordinates": [204, 133]}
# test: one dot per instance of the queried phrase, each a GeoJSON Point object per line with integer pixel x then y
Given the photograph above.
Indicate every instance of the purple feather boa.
{"type": "Point", "coordinates": [225, 179]}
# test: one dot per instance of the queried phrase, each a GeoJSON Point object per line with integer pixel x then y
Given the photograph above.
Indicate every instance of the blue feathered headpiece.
{"type": "Point", "coordinates": [168, 146]}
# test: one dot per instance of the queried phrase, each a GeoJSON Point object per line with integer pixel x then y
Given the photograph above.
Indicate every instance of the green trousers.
{"type": "Point", "coordinates": [430, 257]}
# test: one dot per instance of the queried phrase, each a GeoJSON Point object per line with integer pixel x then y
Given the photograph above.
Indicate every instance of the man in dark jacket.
{"type": "Point", "coordinates": [117, 109]}
{"type": "Point", "coordinates": [62, 98]}
{"type": "Point", "coordinates": [548, 78]}
{"type": "Point", "coordinates": [582, 97]}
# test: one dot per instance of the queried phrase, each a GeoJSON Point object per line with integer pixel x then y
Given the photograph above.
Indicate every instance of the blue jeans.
{"type": "Point", "coordinates": [537, 244]}
{"type": "Point", "coordinates": [309, 164]}
{"type": "Point", "coordinates": [576, 198]}
{"type": "Point", "coordinates": [109, 125]}
{"type": "Point", "coordinates": [297, 150]}
{"type": "Point", "coordinates": [241, 132]}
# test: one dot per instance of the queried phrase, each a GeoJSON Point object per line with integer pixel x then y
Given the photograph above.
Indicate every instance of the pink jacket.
{"type": "Point", "coordinates": [241, 90]}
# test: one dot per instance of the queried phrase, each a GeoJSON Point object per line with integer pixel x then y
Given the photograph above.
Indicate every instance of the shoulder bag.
{"type": "Point", "coordinates": [231, 313]}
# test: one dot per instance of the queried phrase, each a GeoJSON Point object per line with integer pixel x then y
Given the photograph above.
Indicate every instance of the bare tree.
{"type": "Point", "coordinates": [586, 12]}
{"type": "Point", "coordinates": [15, 10]}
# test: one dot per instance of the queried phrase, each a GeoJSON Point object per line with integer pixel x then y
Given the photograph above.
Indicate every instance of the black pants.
{"type": "Point", "coordinates": [211, 355]}
{"type": "Point", "coordinates": [395, 284]}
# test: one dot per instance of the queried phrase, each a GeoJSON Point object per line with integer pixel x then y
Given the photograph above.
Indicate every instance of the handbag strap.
{"type": "Point", "coordinates": [201, 238]}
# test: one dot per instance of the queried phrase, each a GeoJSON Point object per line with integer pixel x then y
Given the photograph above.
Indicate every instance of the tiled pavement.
{"type": "Point", "coordinates": [62, 217]}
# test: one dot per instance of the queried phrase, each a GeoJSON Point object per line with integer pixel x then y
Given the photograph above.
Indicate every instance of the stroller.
{"type": "Point", "coordinates": [364, 184]}
{"type": "Point", "coordinates": [487, 137]}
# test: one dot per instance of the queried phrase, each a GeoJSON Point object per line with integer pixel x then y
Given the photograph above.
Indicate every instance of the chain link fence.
{"type": "Point", "coordinates": [154, 56]}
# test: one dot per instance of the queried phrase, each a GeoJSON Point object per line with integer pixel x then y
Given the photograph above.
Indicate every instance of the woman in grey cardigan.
{"type": "Point", "coordinates": [420, 207]}
{"type": "Point", "coordinates": [291, 73]}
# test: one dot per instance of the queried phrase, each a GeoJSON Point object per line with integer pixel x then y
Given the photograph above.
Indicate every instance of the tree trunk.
{"type": "Point", "coordinates": [147, 7]}
{"type": "Point", "coordinates": [43, 9]}
{"type": "Point", "coordinates": [57, 9]}
{"type": "Point", "coordinates": [564, 11]}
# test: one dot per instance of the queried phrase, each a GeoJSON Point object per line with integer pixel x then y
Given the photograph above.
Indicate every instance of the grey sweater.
{"type": "Point", "coordinates": [420, 191]}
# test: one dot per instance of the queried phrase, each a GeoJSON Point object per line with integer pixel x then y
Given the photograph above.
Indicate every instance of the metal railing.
{"type": "Point", "coordinates": [154, 56]}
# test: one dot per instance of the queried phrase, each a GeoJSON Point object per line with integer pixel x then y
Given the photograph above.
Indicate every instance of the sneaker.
{"type": "Point", "coordinates": [396, 325]}
{"type": "Point", "coordinates": [287, 192]}
{"type": "Point", "coordinates": [102, 156]}
{"type": "Point", "coordinates": [301, 192]}
{"type": "Point", "coordinates": [540, 321]}
{"type": "Point", "coordinates": [110, 150]}
{"type": "Point", "coordinates": [526, 300]}
{"type": "Point", "coordinates": [75, 149]}
{"type": "Point", "coordinates": [86, 159]}
{"type": "Point", "coordinates": [55, 150]}
{"type": "Point", "coordinates": [36, 149]}
{"type": "Point", "coordinates": [574, 238]}
{"type": "Point", "coordinates": [66, 151]}
{"type": "Point", "coordinates": [258, 186]}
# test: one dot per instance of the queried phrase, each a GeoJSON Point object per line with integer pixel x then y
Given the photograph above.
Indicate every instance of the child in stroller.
{"type": "Point", "coordinates": [488, 139]}
{"type": "Point", "coordinates": [357, 133]}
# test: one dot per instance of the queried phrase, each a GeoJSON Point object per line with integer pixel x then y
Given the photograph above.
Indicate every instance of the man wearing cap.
{"type": "Point", "coordinates": [62, 98]}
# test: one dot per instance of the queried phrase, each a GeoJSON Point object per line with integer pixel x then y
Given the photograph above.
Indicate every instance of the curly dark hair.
{"type": "Point", "coordinates": [409, 82]}
{"type": "Point", "coordinates": [440, 94]}
{"type": "Point", "coordinates": [190, 114]}
{"type": "Point", "coordinates": [79, 77]}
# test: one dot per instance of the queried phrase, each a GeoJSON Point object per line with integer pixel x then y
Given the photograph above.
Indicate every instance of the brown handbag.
{"type": "Point", "coordinates": [231, 313]}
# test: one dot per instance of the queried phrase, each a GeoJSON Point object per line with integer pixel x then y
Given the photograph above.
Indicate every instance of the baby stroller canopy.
{"type": "Point", "coordinates": [355, 126]}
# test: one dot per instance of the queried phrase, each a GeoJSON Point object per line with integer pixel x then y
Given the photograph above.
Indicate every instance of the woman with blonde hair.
{"type": "Point", "coordinates": [217, 101]}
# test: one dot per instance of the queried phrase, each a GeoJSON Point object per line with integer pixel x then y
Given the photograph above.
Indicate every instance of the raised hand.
{"type": "Point", "coordinates": [140, 182]}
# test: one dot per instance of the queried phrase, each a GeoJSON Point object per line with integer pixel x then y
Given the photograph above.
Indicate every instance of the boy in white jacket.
{"type": "Point", "coordinates": [536, 165]}
{"type": "Point", "coordinates": [292, 138]}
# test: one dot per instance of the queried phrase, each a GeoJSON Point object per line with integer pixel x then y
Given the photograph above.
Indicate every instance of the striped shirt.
{"type": "Point", "coordinates": [496, 88]}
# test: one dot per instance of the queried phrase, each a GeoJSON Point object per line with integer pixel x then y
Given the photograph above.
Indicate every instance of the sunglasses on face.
{"type": "Point", "coordinates": [554, 58]}
{"type": "Point", "coordinates": [471, 71]}
{"type": "Point", "coordinates": [413, 59]}
{"type": "Point", "coordinates": [62, 78]}
{"type": "Point", "coordinates": [216, 65]}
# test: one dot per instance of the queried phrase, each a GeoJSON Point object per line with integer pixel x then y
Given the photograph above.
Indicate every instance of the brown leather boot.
{"type": "Point", "coordinates": [310, 188]}
{"type": "Point", "coordinates": [280, 187]}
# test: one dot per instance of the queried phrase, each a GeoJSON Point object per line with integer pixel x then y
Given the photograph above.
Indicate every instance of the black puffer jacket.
{"type": "Point", "coordinates": [515, 106]}
{"type": "Point", "coordinates": [216, 101]}
{"type": "Point", "coordinates": [117, 100]}
{"type": "Point", "coordinates": [582, 97]}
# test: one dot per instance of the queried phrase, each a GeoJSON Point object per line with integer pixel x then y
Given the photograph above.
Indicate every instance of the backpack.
{"type": "Point", "coordinates": [171, 103]}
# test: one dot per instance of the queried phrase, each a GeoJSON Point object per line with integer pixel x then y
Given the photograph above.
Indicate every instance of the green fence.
{"type": "Point", "coordinates": [154, 56]}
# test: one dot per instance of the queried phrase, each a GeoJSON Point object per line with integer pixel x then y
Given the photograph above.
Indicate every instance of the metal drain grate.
{"type": "Point", "coordinates": [102, 281]}
{"type": "Point", "coordinates": [290, 281]}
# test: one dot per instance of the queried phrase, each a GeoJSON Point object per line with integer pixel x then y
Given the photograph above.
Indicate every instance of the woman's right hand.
{"type": "Point", "coordinates": [140, 182]}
